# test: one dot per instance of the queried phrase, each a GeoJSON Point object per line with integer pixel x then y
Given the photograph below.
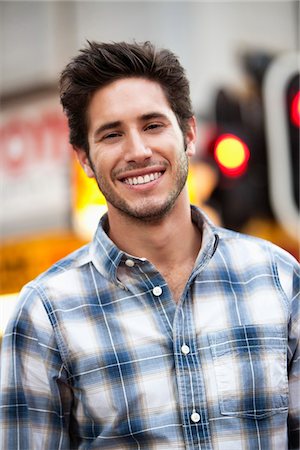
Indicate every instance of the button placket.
{"type": "Point", "coordinates": [190, 378]}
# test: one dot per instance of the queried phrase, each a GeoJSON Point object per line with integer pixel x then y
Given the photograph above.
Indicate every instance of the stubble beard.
{"type": "Point", "coordinates": [146, 210]}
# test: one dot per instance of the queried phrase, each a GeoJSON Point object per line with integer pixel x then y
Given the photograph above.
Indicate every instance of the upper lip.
{"type": "Point", "coordinates": [140, 172]}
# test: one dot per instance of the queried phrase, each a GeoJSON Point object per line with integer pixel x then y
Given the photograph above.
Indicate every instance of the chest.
{"type": "Point", "coordinates": [129, 363]}
{"type": "Point", "coordinates": [177, 277]}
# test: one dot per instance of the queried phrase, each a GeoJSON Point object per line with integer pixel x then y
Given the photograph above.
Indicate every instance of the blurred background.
{"type": "Point", "coordinates": [243, 64]}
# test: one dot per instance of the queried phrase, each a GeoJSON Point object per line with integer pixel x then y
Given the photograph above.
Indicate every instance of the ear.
{"type": "Point", "coordinates": [85, 162]}
{"type": "Point", "coordinates": [190, 137]}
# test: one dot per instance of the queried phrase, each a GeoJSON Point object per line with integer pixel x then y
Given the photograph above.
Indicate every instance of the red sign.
{"type": "Point", "coordinates": [28, 141]}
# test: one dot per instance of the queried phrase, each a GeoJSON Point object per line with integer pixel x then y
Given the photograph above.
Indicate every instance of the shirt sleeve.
{"type": "Point", "coordinates": [289, 275]}
{"type": "Point", "coordinates": [35, 397]}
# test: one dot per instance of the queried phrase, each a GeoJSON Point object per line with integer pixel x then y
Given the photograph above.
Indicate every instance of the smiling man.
{"type": "Point", "coordinates": [165, 332]}
{"type": "Point", "coordinates": [136, 148]}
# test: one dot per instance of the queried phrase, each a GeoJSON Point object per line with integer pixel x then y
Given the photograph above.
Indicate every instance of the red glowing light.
{"type": "Point", "coordinates": [295, 110]}
{"type": "Point", "coordinates": [231, 154]}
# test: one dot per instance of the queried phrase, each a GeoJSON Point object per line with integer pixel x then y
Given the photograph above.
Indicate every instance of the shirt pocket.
{"type": "Point", "coordinates": [250, 364]}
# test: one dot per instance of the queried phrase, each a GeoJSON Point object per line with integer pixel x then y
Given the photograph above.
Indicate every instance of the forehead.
{"type": "Point", "coordinates": [127, 97]}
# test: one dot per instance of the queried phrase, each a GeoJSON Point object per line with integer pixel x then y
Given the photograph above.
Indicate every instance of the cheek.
{"type": "Point", "coordinates": [103, 166]}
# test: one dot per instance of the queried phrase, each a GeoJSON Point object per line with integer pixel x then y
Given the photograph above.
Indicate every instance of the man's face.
{"type": "Point", "coordinates": [137, 150]}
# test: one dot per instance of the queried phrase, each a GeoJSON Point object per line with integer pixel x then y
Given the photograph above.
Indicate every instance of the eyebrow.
{"type": "Point", "coordinates": [118, 123]}
{"type": "Point", "coordinates": [107, 126]}
{"type": "Point", "coordinates": [153, 115]}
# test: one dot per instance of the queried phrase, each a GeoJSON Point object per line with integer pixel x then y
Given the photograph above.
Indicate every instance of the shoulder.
{"type": "Point", "coordinates": [61, 278]}
{"type": "Point", "coordinates": [245, 253]}
{"type": "Point", "coordinates": [253, 246]}
{"type": "Point", "coordinates": [249, 253]}
{"type": "Point", "coordinates": [73, 261]}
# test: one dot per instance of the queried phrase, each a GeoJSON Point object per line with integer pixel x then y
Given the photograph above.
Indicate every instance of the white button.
{"type": "Point", "coordinates": [157, 291]}
{"type": "Point", "coordinates": [129, 262]}
{"type": "Point", "coordinates": [185, 349]}
{"type": "Point", "coordinates": [195, 417]}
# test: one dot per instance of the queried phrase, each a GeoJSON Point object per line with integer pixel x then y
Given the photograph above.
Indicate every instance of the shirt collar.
{"type": "Point", "coordinates": [106, 256]}
{"type": "Point", "coordinates": [210, 237]}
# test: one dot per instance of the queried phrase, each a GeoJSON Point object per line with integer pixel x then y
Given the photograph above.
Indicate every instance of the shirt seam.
{"type": "Point", "coordinates": [55, 326]}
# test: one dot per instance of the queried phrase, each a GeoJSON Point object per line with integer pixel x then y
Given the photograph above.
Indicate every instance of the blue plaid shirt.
{"type": "Point", "coordinates": [98, 355]}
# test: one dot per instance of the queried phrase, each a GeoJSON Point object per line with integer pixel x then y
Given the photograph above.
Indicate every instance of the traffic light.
{"type": "Point", "coordinates": [293, 116]}
{"type": "Point", "coordinates": [281, 100]}
{"type": "Point", "coordinates": [255, 145]}
{"type": "Point", "coordinates": [238, 151]}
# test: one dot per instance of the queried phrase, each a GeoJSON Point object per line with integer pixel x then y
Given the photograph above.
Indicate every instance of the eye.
{"type": "Point", "coordinates": [154, 126]}
{"type": "Point", "coordinates": [109, 136]}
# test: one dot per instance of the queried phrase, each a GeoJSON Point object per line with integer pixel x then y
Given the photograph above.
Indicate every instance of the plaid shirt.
{"type": "Point", "coordinates": [98, 355]}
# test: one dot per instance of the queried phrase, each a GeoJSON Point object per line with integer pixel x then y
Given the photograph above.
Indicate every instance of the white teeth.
{"type": "Point", "coordinates": [143, 179]}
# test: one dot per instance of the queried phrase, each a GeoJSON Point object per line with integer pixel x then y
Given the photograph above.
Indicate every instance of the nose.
{"type": "Point", "coordinates": [136, 149]}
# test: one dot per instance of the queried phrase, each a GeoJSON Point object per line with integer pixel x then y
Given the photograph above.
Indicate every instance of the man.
{"type": "Point", "coordinates": [165, 332]}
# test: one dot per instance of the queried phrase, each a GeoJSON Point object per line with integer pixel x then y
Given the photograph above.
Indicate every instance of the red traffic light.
{"type": "Point", "coordinates": [231, 155]}
{"type": "Point", "coordinates": [295, 110]}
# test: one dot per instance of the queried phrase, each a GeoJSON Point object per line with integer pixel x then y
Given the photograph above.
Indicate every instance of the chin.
{"type": "Point", "coordinates": [150, 213]}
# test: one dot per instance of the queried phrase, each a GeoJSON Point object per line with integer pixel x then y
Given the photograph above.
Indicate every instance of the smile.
{"type": "Point", "coordinates": [143, 179]}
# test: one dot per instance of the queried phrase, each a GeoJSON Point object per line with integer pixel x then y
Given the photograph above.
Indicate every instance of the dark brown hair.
{"type": "Point", "coordinates": [102, 63]}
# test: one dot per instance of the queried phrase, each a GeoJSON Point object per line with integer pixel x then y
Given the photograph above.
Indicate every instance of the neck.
{"type": "Point", "coordinates": [160, 242]}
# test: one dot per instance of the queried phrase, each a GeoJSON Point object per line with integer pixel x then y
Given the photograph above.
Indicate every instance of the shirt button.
{"type": "Point", "coordinates": [185, 349]}
{"type": "Point", "coordinates": [129, 262]}
{"type": "Point", "coordinates": [157, 291]}
{"type": "Point", "coordinates": [195, 417]}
